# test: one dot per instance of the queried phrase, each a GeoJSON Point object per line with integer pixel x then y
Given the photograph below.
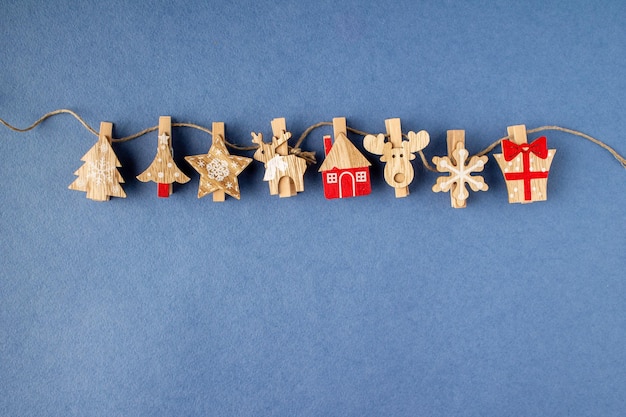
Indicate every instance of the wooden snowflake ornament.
{"type": "Point", "coordinates": [218, 169]}
{"type": "Point", "coordinates": [460, 170]}
{"type": "Point", "coordinates": [99, 176]}
{"type": "Point", "coordinates": [525, 166]}
{"type": "Point", "coordinates": [163, 169]}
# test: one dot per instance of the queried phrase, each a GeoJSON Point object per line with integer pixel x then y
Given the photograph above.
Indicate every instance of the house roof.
{"type": "Point", "coordinates": [344, 155]}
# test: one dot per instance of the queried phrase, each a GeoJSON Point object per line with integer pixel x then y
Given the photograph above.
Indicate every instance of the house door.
{"type": "Point", "coordinates": [346, 185]}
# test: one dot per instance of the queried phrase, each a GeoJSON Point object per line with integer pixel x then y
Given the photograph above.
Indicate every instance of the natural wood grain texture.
{"type": "Point", "coordinates": [340, 127]}
{"type": "Point", "coordinates": [283, 171]}
{"type": "Point", "coordinates": [397, 154]}
{"type": "Point", "coordinates": [163, 169]}
{"type": "Point", "coordinates": [345, 171]}
{"type": "Point", "coordinates": [286, 187]}
{"type": "Point", "coordinates": [394, 130]}
{"type": "Point", "coordinates": [279, 126]}
{"type": "Point", "coordinates": [460, 170]}
{"type": "Point", "coordinates": [218, 169]}
{"type": "Point", "coordinates": [219, 134]}
{"type": "Point", "coordinates": [526, 174]}
{"type": "Point", "coordinates": [98, 176]}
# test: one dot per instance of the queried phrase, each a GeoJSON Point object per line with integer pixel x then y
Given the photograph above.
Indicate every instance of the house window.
{"type": "Point", "coordinates": [361, 176]}
{"type": "Point", "coordinates": [331, 178]}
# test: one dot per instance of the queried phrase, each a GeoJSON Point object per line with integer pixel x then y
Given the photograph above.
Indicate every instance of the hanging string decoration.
{"type": "Point", "coordinates": [345, 170]}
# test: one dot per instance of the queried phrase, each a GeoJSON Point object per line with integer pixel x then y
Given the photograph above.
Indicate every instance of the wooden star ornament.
{"type": "Point", "coordinates": [218, 169]}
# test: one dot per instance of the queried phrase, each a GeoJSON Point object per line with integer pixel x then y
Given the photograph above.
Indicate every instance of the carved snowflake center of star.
{"type": "Point", "coordinates": [217, 170]}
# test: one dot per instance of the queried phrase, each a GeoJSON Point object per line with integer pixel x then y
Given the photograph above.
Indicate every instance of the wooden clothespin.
{"type": "Point", "coordinates": [460, 170]}
{"type": "Point", "coordinates": [286, 188]}
{"type": "Point", "coordinates": [219, 133]}
{"type": "Point", "coordinates": [394, 130]}
{"type": "Point", "coordinates": [279, 127]}
{"type": "Point", "coordinates": [339, 127]}
{"type": "Point", "coordinates": [163, 169]}
{"type": "Point", "coordinates": [454, 138]}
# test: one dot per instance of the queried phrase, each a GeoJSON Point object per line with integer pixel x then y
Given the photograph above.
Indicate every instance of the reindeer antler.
{"type": "Point", "coordinates": [257, 138]}
{"type": "Point", "coordinates": [417, 141]}
{"type": "Point", "coordinates": [374, 144]}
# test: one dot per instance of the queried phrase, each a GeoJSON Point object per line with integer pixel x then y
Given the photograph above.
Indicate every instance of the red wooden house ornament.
{"type": "Point", "coordinates": [345, 171]}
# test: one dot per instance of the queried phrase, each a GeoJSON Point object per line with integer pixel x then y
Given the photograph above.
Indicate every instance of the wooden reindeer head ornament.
{"type": "Point", "coordinates": [397, 154]}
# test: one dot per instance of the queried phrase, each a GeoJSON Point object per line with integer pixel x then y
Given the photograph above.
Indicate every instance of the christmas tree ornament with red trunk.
{"type": "Point", "coordinates": [163, 169]}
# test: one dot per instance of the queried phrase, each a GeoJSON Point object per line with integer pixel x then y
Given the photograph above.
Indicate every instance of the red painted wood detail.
{"type": "Point", "coordinates": [163, 190]}
{"type": "Point", "coordinates": [510, 150]}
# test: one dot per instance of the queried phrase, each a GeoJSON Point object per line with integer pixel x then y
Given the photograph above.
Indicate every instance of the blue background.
{"type": "Point", "coordinates": [303, 306]}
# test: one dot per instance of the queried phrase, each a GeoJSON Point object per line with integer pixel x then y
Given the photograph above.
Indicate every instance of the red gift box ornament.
{"type": "Point", "coordinates": [525, 166]}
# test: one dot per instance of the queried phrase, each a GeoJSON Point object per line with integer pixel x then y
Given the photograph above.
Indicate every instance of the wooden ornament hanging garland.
{"type": "Point", "coordinates": [345, 170]}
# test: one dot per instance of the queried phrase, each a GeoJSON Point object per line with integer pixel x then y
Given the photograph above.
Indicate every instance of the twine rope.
{"type": "Point", "coordinates": [308, 156]}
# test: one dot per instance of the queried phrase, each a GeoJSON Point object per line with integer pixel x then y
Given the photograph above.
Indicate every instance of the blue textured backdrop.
{"type": "Point", "coordinates": [362, 307]}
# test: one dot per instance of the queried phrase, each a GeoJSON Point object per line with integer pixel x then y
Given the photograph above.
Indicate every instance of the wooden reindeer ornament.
{"type": "Point", "coordinates": [525, 166]}
{"type": "Point", "coordinates": [163, 169]}
{"type": "Point", "coordinates": [283, 171]}
{"type": "Point", "coordinates": [397, 154]}
{"type": "Point", "coordinates": [99, 176]}
{"type": "Point", "coordinates": [460, 170]}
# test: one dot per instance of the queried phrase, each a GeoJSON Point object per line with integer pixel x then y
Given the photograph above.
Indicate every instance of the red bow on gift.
{"type": "Point", "coordinates": [538, 147]}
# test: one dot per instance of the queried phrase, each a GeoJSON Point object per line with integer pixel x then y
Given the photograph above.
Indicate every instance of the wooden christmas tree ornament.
{"type": "Point", "coordinates": [218, 169]}
{"type": "Point", "coordinates": [99, 176]}
{"type": "Point", "coordinates": [525, 166]}
{"type": "Point", "coordinates": [460, 170]}
{"type": "Point", "coordinates": [283, 171]}
{"type": "Point", "coordinates": [163, 169]}
{"type": "Point", "coordinates": [397, 154]}
{"type": "Point", "coordinates": [345, 171]}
